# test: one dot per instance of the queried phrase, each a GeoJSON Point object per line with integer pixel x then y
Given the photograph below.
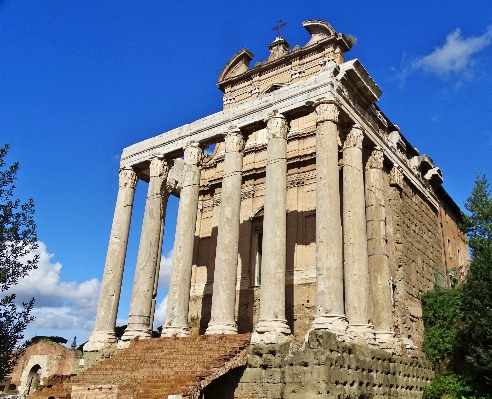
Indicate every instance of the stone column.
{"type": "Point", "coordinates": [222, 319]}
{"type": "Point", "coordinates": [330, 312]}
{"type": "Point", "coordinates": [356, 270]}
{"type": "Point", "coordinates": [149, 255]}
{"type": "Point", "coordinates": [272, 326]}
{"type": "Point", "coordinates": [379, 270]}
{"type": "Point", "coordinates": [178, 299]}
{"type": "Point", "coordinates": [109, 297]}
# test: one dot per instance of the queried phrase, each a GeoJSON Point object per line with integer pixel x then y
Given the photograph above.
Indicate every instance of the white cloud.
{"type": "Point", "coordinates": [60, 305]}
{"type": "Point", "coordinates": [164, 276]}
{"type": "Point", "coordinates": [165, 270]}
{"type": "Point", "coordinates": [456, 55]}
{"type": "Point", "coordinates": [160, 313]}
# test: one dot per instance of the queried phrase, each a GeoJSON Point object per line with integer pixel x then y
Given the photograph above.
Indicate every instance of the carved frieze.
{"type": "Point", "coordinates": [357, 102]}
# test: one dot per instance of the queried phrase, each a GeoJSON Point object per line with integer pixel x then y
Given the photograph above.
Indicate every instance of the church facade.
{"type": "Point", "coordinates": [313, 212]}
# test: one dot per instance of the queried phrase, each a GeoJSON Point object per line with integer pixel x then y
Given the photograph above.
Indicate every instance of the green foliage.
{"type": "Point", "coordinates": [17, 241]}
{"type": "Point", "coordinates": [450, 386]}
{"type": "Point", "coordinates": [53, 338]}
{"type": "Point", "coordinates": [440, 312]}
{"type": "Point", "coordinates": [458, 323]}
{"type": "Point", "coordinates": [477, 289]}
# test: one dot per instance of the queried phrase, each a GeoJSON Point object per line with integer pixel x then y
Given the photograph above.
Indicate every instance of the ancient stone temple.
{"type": "Point", "coordinates": [312, 220]}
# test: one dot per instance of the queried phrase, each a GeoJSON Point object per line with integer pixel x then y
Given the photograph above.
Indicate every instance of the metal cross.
{"type": "Point", "coordinates": [280, 25]}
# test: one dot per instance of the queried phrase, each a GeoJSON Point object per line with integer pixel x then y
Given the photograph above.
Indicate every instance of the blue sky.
{"type": "Point", "coordinates": [81, 80]}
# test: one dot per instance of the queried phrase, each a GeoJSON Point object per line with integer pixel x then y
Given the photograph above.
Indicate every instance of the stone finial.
{"type": "Point", "coordinates": [234, 140]}
{"type": "Point", "coordinates": [193, 153]}
{"type": "Point", "coordinates": [354, 138]}
{"type": "Point", "coordinates": [277, 126]}
{"type": "Point", "coordinates": [158, 167]}
{"type": "Point", "coordinates": [326, 110]}
{"type": "Point", "coordinates": [376, 158]}
{"type": "Point", "coordinates": [396, 176]}
{"type": "Point", "coordinates": [278, 48]}
{"type": "Point", "coordinates": [128, 177]}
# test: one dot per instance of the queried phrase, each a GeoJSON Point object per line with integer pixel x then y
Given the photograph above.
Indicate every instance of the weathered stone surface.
{"type": "Point", "coordinates": [330, 309]}
{"type": "Point", "coordinates": [222, 319]}
{"type": "Point", "coordinates": [272, 326]}
{"type": "Point", "coordinates": [103, 333]}
{"type": "Point", "coordinates": [149, 255]}
{"type": "Point", "coordinates": [179, 285]}
{"type": "Point", "coordinates": [356, 269]}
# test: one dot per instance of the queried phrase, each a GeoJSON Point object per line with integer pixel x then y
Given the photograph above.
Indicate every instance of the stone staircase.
{"type": "Point", "coordinates": [156, 368]}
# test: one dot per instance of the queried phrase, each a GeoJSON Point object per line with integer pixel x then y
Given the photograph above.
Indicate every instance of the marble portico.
{"type": "Point", "coordinates": [354, 144]}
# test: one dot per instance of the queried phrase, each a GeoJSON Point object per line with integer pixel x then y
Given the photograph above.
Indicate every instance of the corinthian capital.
{"type": "Point", "coordinates": [193, 153]}
{"type": "Point", "coordinates": [128, 177]}
{"type": "Point", "coordinates": [277, 126]}
{"type": "Point", "coordinates": [159, 167]}
{"type": "Point", "coordinates": [354, 138]}
{"type": "Point", "coordinates": [326, 110]}
{"type": "Point", "coordinates": [376, 158]}
{"type": "Point", "coordinates": [396, 176]}
{"type": "Point", "coordinates": [234, 140]}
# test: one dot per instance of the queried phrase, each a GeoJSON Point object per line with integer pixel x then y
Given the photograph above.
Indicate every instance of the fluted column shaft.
{"type": "Point", "coordinates": [149, 254]}
{"type": "Point", "coordinates": [356, 271]}
{"type": "Point", "coordinates": [222, 319]}
{"type": "Point", "coordinates": [272, 325]}
{"type": "Point", "coordinates": [178, 299]}
{"type": "Point", "coordinates": [109, 296]}
{"type": "Point", "coordinates": [378, 260]}
{"type": "Point", "coordinates": [330, 311]}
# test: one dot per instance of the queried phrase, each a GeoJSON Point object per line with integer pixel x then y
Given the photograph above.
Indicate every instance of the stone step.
{"type": "Point", "coordinates": [154, 368]}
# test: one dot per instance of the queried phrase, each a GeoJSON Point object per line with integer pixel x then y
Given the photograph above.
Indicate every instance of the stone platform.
{"type": "Point", "coordinates": [156, 368]}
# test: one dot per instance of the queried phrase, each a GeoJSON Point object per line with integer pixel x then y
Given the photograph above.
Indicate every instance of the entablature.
{"type": "Point", "coordinates": [348, 85]}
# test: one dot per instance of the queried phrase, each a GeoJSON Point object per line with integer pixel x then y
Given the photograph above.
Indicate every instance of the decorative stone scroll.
{"type": "Point", "coordinates": [354, 138]}
{"type": "Point", "coordinates": [128, 178]}
{"type": "Point", "coordinates": [376, 158]}
{"type": "Point", "coordinates": [396, 176]}
{"type": "Point", "coordinates": [234, 140]}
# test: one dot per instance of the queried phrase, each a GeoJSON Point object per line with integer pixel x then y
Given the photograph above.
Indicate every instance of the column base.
{"type": "Point", "coordinates": [140, 333]}
{"type": "Point", "coordinates": [363, 334]}
{"type": "Point", "coordinates": [98, 340]}
{"type": "Point", "coordinates": [175, 331]}
{"type": "Point", "coordinates": [271, 331]}
{"type": "Point", "coordinates": [334, 323]}
{"type": "Point", "coordinates": [221, 328]}
{"type": "Point", "coordinates": [387, 341]}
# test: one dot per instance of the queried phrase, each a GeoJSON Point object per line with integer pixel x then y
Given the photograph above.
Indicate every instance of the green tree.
{"type": "Point", "coordinates": [476, 309]}
{"type": "Point", "coordinates": [17, 241]}
{"type": "Point", "coordinates": [458, 323]}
